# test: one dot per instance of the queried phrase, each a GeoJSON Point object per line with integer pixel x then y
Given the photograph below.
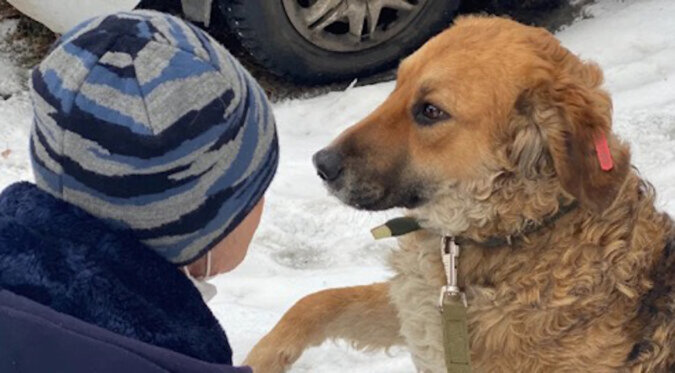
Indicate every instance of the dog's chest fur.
{"type": "Point", "coordinates": [571, 307]}
{"type": "Point", "coordinates": [415, 291]}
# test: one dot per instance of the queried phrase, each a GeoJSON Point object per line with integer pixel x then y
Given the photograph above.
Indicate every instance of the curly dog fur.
{"type": "Point", "coordinates": [590, 292]}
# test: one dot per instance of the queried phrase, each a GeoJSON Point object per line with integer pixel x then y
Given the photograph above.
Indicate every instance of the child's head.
{"type": "Point", "coordinates": [147, 123]}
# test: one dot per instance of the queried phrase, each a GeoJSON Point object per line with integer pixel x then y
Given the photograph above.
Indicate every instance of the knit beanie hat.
{"type": "Point", "coordinates": [146, 122]}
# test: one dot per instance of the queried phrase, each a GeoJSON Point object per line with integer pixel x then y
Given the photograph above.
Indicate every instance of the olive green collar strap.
{"type": "Point", "coordinates": [406, 224]}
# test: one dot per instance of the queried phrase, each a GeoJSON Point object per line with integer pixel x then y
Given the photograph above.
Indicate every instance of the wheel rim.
{"type": "Point", "coordinates": [350, 25]}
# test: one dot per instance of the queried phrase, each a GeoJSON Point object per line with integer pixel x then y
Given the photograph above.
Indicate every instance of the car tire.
{"type": "Point", "coordinates": [266, 32]}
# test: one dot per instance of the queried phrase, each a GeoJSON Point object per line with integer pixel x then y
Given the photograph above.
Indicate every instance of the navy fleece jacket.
{"type": "Point", "coordinates": [66, 278]}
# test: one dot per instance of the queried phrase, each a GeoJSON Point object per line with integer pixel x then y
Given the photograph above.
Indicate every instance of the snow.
{"type": "Point", "coordinates": [308, 241]}
{"type": "Point", "coordinates": [15, 117]}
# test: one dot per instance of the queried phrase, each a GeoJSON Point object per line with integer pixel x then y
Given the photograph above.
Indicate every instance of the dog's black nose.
{"type": "Point", "coordinates": [328, 164]}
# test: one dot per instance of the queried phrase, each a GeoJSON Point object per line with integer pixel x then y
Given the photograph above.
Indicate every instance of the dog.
{"type": "Point", "coordinates": [497, 134]}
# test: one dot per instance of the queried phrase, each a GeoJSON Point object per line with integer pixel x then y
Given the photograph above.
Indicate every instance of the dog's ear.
{"type": "Point", "coordinates": [568, 120]}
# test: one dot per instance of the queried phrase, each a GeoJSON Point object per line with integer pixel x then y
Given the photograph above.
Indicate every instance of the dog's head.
{"type": "Point", "coordinates": [487, 109]}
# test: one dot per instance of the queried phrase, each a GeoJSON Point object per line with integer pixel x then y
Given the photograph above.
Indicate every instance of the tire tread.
{"type": "Point", "coordinates": [235, 12]}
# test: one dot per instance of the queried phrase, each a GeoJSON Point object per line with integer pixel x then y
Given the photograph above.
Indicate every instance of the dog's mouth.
{"type": "Point", "coordinates": [358, 183]}
{"type": "Point", "coordinates": [372, 196]}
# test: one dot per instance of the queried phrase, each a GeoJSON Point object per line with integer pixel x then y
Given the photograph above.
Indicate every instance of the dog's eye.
{"type": "Point", "coordinates": [427, 114]}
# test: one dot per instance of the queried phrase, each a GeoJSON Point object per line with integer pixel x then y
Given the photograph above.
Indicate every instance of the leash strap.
{"type": "Point", "coordinates": [452, 305]}
{"type": "Point", "coordinates": [455, 334]}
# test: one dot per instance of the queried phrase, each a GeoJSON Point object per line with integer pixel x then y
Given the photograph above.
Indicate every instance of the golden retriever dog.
{"type": "Point", "coordinates": [495, 131]}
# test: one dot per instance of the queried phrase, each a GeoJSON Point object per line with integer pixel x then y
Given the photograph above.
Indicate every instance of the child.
{"type": "Point", "coordinates": [152, 149]}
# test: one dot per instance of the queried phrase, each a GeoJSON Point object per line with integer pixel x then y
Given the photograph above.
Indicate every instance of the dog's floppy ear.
{"type": "Point", "coordinates": [572, 116]}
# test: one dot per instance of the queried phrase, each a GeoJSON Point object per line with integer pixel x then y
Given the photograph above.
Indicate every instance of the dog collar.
{"type": "Point", "coordinates": [407, 224]}
{"type": "Point", "coordinates": [396, 227]}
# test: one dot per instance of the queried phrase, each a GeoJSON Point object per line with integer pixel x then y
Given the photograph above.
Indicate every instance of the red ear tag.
{"type": "Point", "coordinates": [604, 155]}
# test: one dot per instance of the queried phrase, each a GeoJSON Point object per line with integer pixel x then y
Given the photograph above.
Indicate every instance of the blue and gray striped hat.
{"type": "Point", "coordinates": [146, 122]}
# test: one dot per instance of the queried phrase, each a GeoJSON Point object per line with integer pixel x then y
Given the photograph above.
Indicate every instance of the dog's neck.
{"type": "Point", "coordinates": [483, 213]}
{"type": "Point", "coordinates": [504, 217]}
{"type": "Point", "coordinates": [524, 234]}
{"type": "Point", "coordinates": [572, 230]}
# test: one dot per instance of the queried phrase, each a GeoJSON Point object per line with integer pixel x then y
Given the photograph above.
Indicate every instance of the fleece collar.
{"type": "Point", "coordinates": [58, 255]}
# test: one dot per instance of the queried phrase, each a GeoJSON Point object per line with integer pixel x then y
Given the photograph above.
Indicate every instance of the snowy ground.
{"type": "Point", "coordinates": [308, 241]}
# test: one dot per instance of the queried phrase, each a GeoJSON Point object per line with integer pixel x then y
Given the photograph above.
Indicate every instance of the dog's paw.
{"type": "Point", "coordinates": [271, 358]}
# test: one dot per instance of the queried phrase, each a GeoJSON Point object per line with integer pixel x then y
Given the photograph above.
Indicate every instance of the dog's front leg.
{"type": "Point", "coordinates": [362, 315]}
